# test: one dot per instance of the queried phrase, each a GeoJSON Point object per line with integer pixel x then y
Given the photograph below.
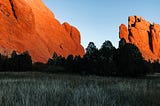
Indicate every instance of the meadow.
{"type": "Point", "coordinates": [42, 89]}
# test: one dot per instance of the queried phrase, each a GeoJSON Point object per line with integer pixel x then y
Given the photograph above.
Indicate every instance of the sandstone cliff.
{"type": "Point", "coordinates": [144, 35]}
{"type": "Point", "coordinates": [30, 25]}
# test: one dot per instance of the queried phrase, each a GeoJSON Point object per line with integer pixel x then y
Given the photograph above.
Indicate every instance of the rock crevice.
{"type": "Point", "coordinates": [13, 9]}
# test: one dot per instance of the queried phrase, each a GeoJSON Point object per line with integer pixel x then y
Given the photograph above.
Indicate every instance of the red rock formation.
{"type": "Point", "coordinates": [30, 25]}
{"type": "Point", "coordinates": [144, 35]}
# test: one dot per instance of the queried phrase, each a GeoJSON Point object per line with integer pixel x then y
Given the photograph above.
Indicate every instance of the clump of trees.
{"type": "Point", "coordinates": [21, 62]}
{"type": "Point", "coordinates": [126, 60]}
{"type": "Point", "coordinates": [129, 60]}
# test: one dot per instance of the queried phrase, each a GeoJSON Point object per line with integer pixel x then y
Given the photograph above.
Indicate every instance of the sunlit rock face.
{"type": "Point", "coordinates": [30, 25]}
{"type": "Point", "coordinates": [144, 35]}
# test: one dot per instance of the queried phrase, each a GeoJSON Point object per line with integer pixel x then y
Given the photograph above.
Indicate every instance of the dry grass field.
{"type": "Point", "coordinates": [40, 89]}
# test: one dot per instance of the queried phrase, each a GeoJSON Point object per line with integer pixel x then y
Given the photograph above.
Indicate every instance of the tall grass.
{"type": "Point", "coordinates": [35, 89]}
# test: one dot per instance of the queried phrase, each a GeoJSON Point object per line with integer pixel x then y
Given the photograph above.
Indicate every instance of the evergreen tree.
{"type": "Point", "coordinates": [91, 59]}
{"type": "Point", "coordinates": [26, 61]}
{"type": "Point", "coordinates": [53, 60]}
{"type": "Point", "coordinates": [107, 63]}
{"type": "Point", "coordinates": [91, 49]}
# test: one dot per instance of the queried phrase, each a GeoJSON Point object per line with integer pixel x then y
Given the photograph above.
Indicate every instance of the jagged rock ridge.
{"type": "Point", "coordinates": [144, 35]}
{"type": "Point", "coordinates": [30, 25]}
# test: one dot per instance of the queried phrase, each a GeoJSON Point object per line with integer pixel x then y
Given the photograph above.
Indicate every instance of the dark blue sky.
{"type": "Point", "coordinates": [99, 20]}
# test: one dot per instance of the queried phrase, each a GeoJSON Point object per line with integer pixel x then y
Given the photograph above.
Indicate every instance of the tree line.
{"type": "Point", "coordinates": [126, 60]}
